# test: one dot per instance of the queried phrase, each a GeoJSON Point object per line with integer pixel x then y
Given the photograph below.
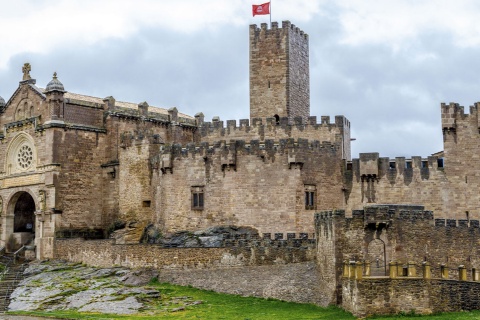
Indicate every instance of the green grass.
{"type": "Point", "coordinates": [224, 306]}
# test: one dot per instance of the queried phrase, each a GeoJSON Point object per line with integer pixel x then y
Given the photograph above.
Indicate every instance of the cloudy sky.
{"type": "Point", "coordinates": [385, 65]}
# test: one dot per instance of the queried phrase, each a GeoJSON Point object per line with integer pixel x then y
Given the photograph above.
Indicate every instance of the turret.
{"type": "Point", "coordinates": [54, 93]}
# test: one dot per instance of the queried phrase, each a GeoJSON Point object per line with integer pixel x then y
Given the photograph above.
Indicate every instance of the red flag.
{"type": "Point", "coordinates": [261, 9]}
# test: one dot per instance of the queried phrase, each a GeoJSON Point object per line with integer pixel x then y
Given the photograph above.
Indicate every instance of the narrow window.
{"type": "Point", "coordinates": [277, 119]}
{"type": "Point", "coordinates": [197, 198]}
{"type": "Point", "coordinates": [440, 162]}
{"type": "Point", "coordinates": [408, 165]}
{"type": "Point", "coordinates": [310, 191]}
{"type": "Point", "coordinates": [424, 164]}
{"type": "Point", "coordinates": [146, 203]}
{"type": "Point", "coordinates": [392, 164]}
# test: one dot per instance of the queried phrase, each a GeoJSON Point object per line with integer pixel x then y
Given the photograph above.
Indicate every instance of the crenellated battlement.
{"type": "Point", "coordinates": [403, 213]}
{"type": "Point", "coordinates": [371, 165]}
{"type": "Point", "coordinates": [452, 113]}
{"type": "Point", "coordinates": [248, 147]}
{"type": "Point", "coordinates": [337, 132]}
{"type": "Point", "coordinates": [297, 152]}
{"type": "Point", "coordinates": [274, 31]}
{"type": "Point", "coordinates": [282, 122]}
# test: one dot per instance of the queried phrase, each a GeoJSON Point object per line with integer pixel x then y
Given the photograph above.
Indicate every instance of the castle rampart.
{"type": "Point", "coordinates": [233, 253]}
{"type": "Point", "coordinates": [401, 233]}
{"type": "Point", "coordinates": [241, 185]}
{"type": "Point", "coordinates": [335, 133]}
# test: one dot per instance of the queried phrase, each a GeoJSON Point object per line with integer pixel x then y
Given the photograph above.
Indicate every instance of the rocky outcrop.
{"type": "Point", "coordinates": [62, 286]}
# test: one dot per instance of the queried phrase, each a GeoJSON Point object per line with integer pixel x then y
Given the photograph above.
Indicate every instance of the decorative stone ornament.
{"type": "Point", "coordinates": [25, 157]}
{"type": "Point", "coordinates": [54, 85]}
{"type": "Point", "coordinates": [26, 71]}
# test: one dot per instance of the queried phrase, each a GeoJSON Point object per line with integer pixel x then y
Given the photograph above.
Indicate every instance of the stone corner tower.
{"type": "Point", "coordinates": [279, 72]}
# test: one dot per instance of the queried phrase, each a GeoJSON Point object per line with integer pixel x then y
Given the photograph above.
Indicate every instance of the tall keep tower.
{"type": "Point", "coordinates": [279, 72]}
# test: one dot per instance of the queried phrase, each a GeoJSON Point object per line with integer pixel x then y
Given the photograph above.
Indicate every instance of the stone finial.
{"type": "Point", "coordinates": [143, 108]}
{"type": "Point", "coordinates": [55, 84]}
{"type": "Point", "coordinates": [173, 114]}
{"type": "Point", "coordinates": [26, 71]}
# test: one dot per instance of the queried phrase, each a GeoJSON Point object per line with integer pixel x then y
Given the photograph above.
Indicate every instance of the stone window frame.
{"type": "Point", "coordinates": [13, 164]}
{"type": "Point", "coordinates": [310, 196]}
{"type": "Point", "coordinates": [198, 197]}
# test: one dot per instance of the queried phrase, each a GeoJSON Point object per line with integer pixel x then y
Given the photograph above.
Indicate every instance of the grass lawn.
{"type": "Point", "coordinates": [223, 306]}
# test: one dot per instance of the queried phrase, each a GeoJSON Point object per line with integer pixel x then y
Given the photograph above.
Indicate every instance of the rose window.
{"type": "Point", "coordinates": [25, 157]}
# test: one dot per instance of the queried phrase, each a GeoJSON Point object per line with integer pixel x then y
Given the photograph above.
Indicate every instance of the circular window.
{"type": "Point", "coordinates": [25, 157]}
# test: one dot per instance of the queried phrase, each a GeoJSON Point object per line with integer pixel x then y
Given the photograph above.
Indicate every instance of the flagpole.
{"type": "Point", "coordinates": [270, 14]}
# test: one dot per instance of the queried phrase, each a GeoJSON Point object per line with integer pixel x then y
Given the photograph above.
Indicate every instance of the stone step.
{"type": "Point", "coordinates": [12, 278]}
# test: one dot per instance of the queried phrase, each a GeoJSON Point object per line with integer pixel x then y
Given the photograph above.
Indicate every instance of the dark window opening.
{"type": "Point", "coordinates": [392, 165]}
{"type": "Point", "coordinates": [310, 191]}
{"type": "Point", "coordinates": [424, 164]}
{"type": "Point", "coordinates": [197, 198]}
{"type": "Point", "coordinates": [277, 119]}
{"type": "Point", "coordinates": [440, 162]}
{"type": "Point", "coordinates": [268, 84]}
{"type": "Point", "coordinates": [349, 166]}
{"type": "Point", "coordinates": [408, 165]}
{"type": "Point", "coordinates": [24, 217]}
{"type": "Point", "coordinates": [146, 203]}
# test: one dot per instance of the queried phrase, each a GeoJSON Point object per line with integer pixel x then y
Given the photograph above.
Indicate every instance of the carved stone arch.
{"type": "Point", "coordinates": [20, 218]}
{"type": "Point", "coordinates": [23, 110]}
{"type": "Point", "coordinates": [376, 255]}
{"type": "Point", "coordinates": [21, 155]}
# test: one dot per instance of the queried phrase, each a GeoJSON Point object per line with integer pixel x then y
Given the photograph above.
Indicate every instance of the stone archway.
{"type": "Point", "coordinates": [377, 257]}
{"type": "Point", "coordinates": [21, 224]}
{"type": "Point", "coordinates": [24, 214]}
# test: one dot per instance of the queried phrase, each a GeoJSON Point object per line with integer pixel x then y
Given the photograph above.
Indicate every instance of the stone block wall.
{"type": "Point", "coordinates": [79, 183]}
{"type": "Point", "coordinates": [267, 129]}
{"type": "Point", "coordinates": [279, 72]}
{"type": "Point", "coordinates": [105, 253]}
{"type": "Point", "coordinates": [370, 296]}
{"type": "Point", "coordinates": [375, 180]}
{"type": "Point", "coordinates": [409, 235]}
{"type": "Point", "coordinates": [246, 184]}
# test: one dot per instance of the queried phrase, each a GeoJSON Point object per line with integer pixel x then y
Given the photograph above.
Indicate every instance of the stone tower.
{"type": "Point", "coordinates": [279, 72]}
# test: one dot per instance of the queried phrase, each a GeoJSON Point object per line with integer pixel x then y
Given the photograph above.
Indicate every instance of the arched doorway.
{"type": "Point", "coordinates": [24, 214]}
{"type": "Point", "coordinates": [20, 221]}
{"type": "Point", "coordinates": [377, 258]}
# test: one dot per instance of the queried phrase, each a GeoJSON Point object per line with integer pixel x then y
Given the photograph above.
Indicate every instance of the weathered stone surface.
{"type": "Point", "coordinates": [296, 282]}
{"type": "Point", "coordinates": [60, 286]}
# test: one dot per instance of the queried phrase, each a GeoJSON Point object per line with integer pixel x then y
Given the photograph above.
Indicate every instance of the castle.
{"type": "Point", "coordinates": [73, 165]}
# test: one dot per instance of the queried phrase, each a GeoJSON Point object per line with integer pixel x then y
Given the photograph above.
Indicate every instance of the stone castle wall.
{"type": "Point", "coordinates": [461, 144]}
{"type": "Point", "coordinates": [105, 253]}
{"type": "Point", "coordinates": [255, 184]}
{"type": "Point", "coordinates": [409, 234]}
{"type": "Point", "coordinates": [370, 296]}
{"type": "Point", "coordinates": [372, 179]}
{"type": "Point", "coordinates": [260, 129]}
{"type": "Point", "coordinates": [445, 183]}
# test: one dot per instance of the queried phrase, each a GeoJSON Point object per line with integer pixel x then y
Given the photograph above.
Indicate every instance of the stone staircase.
{"type": "Point", "coordinates": [11, 279]}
